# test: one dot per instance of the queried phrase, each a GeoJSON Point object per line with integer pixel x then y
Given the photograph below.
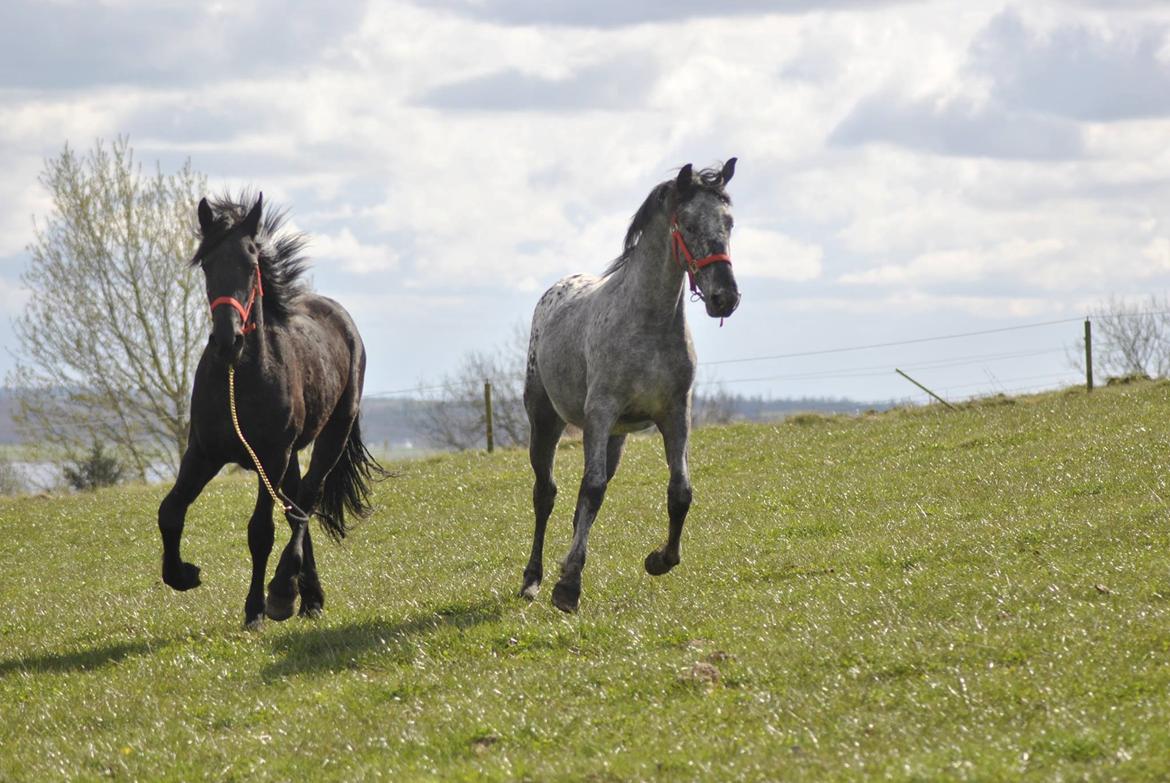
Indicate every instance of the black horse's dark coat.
{"type": "Point", "coordinates": [299, 367]}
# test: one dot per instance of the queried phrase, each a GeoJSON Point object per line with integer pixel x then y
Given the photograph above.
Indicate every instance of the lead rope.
{"type": "Point", "coordinates": [289, 508]}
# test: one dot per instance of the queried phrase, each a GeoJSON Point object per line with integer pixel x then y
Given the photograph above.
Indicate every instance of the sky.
{"type": "Point", "coordinates": [907, 170]}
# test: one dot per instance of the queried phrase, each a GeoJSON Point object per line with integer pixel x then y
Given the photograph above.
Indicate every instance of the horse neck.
{"type": "Point", "coordinates": [654, 281]}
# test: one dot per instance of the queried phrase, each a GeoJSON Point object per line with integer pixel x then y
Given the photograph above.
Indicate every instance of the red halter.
{"type": "Point", "coordinates": [243, 310]}
{"type": "Point", "coordinates": [681, 252]}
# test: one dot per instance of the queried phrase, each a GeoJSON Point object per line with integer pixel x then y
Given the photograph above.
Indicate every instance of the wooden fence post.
{"type": "Point", "coordinates": [487, 415]}
{"type": "Point", "coordinates": [1088, 355]}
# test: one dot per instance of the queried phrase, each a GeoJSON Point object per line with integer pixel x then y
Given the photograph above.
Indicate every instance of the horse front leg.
{"type": "Point", "coordinates": [675, 430]}
{"type": "Point", "coordinates": [567, 593]}
{"type": "Point", "coordinates": [261, 534]}
{"type": "Point", "coordinates": [195, 471]}
{"type": "Point", "coordinates": [260, 537]}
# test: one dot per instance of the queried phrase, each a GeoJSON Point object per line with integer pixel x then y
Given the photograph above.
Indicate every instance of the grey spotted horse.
{"type": "Point", "coordinates": [613, 355]}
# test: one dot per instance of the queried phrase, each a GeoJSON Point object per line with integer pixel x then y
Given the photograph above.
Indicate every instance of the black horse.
{"type": "Point", "coordinates": [297, 365]}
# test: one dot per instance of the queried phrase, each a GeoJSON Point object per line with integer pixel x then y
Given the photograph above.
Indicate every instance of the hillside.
{"type": "Point", "coordinates": [916, 594]}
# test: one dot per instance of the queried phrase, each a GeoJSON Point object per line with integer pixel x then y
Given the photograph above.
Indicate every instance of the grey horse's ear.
{"type": "Point", "coordinates": [685, 179]}
{"type": "Point", "coordinates": [728, 170]}
{"type": "Point", "coordinates": [251, 223]}
{"type": "Point", "coordinates": [206, 219]}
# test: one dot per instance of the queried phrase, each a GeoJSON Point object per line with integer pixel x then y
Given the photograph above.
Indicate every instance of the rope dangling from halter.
{"type": "Point", "coordinates": [290, 509]}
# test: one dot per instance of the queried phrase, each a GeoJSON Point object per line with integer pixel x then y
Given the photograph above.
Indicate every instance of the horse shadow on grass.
{"type": "Point", "coordinates": [78, 660]}
{"type": "Point", "coordinates": [330, 649]}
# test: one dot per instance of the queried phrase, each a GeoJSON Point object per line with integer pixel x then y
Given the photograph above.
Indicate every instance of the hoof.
{"type": "Point", "coordinates": [279, 604]}
{"type": "Point", "coordinates": [255, 624]}
{"type": "Point", "coordinates": [186, 578]}
{"type": "Point", "coordinates": [566, 597]}
{"type": "Point", "coordinates": [312, 600]}
{"type": "Point", "coordinates": [278, 609]}
{"type": "Point", "coordinates": [658, 564]}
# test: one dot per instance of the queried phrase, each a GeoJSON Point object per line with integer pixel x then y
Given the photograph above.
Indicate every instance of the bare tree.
{"type": "Point", "coordinates": [1129, 338]}
{"type": "Point", "coordinates": [456, 419]}
{"type": "Point", "coordinates": [116, 322]}
{"type": "Point", "coordinates": [716, 405]}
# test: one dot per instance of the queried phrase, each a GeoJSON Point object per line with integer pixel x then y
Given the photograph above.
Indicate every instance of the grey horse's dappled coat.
{"type": "Point", "coordinates": [613, 354]}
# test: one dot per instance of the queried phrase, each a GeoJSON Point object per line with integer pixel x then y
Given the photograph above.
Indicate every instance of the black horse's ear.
{"type": "Point", "coordinates": [206, 219]}
{"type": "Point", "coordinates": [729, 170]}
{"type": "Point", "coordinates": [251, 223]}
{"type": "Point", "coordinates": [685, 180]}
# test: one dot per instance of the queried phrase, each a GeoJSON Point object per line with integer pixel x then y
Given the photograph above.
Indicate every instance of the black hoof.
{"type": "Point", "coordinates": [312, 599]}
{"type": "Point", "coordinates": [566, 597]}
{"type": "Point", "coordinates": [186, 578]}
{"type": "Point", "coordinates": [658, 564]}
{"type": "Point", "coordinates": [280, 604]}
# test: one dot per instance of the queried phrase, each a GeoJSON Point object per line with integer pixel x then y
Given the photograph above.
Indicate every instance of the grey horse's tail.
{"type": "Point", "coordinates": [347, 487]}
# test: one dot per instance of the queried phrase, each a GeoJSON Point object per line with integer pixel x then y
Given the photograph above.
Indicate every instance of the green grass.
{"type": "Point", "coordinates": [918, 595]}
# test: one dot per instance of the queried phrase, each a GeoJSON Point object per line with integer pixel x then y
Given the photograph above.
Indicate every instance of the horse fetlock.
{"type": "Point", "coordinates": [659, 562]}
{"type": "Point", "coordinates": [532, 579]}
{"type": "Point", "coordinates": [184, 576]}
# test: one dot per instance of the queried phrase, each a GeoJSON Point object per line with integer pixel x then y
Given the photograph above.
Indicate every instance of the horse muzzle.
{"type": "Point", "coordinates": [228, 340]}
{"type": "Point", "coordinates": [722, 303]}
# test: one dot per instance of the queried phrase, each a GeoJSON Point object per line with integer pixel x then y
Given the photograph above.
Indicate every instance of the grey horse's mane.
{"type": "Point", "coordinates": [662, 197]}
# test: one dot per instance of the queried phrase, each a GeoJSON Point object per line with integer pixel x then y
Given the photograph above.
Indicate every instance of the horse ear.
{"type": "Point", "coordinates": [685, 179]}
{"type": "Point", "coordinates": [728, 170]}
{"type": "Point", "coordinates": [206, 220]}
{"type": "Point", "coordinates": [251, 223]}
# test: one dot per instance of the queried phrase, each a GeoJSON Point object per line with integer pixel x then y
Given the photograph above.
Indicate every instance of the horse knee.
{"type": "Point", "coordinates": [170, 512]}
{"type": "Point", "coordinates": [592, 493]}
{"type": "Point", "coordinates": [261, 533]}
{"type": "Point", "coordinates": [678, 497]}
{"type": "Point", "coordinates": [544, 494]}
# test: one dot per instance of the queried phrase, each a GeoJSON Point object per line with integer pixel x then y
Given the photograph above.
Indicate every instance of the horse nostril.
{"type": "Point", "coordinates": [238, 343]}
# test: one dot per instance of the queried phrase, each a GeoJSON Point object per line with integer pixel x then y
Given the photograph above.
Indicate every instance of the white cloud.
{"type": "Point", "coordinates": [759, 252]}
{"type": "Point", "coordinates": [352, 255]}
{"type": "Point", "coordinates": [969, 179]}
{"type": "Point", "coordinates": [964, 265]}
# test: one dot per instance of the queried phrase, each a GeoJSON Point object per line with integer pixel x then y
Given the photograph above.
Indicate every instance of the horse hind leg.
{"type": "Point", "coordinates": [675, 431]}
{"type": "Point", "coordinates": [327, 450]}
{"type": "Point", "coordinates": [308, 582]}
{"type": "Point", "coordinates": [545, 427]}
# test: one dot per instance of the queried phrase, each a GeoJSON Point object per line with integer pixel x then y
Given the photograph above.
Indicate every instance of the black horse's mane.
{"type": "Point", "coordinates": [282, 260]}
{"type": "Point", "coordinates": [665, 195]}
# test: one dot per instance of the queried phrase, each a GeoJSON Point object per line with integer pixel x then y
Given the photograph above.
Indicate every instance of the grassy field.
{"type": "Point", "coordinates": [917, 595]}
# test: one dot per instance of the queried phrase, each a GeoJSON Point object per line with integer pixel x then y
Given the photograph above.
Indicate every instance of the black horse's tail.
{"type": "Point", "coordinates": [347, 487]}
